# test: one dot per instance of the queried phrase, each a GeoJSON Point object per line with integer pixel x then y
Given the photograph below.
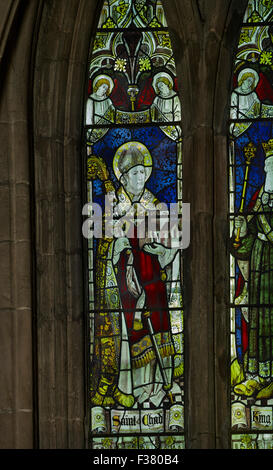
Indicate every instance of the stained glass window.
{"type": "Point", "coordinates": [251, 231]}
{"type": "Point", "coordinates": [133, 167]}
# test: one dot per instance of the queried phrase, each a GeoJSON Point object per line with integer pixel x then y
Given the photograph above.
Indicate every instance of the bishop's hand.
{"type": "Point", "coordinates": [154, 249]}
{"type": "Point", "coordinates": [165, 255]}
{"type": "Point", "coordinates": [121, 244]}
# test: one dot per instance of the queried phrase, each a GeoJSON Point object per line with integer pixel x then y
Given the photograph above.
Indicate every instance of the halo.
{"type": "Point", "coordinates": [161, 75]}
{"type": "Point", "coordinates": [105, 77]}
{"type": "Point", "coordinates": [253, 72]}
{"type": "Point", "coordinates": [147, 158]}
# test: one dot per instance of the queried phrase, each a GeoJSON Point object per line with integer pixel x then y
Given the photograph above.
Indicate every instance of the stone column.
{"type": "Point", "coordinates": [17, 21]}
{"type": "Point", "coordinates": [60, 85]}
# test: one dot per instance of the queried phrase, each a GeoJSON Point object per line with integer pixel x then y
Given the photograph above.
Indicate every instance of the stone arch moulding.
{"type": "Point", "coordinates": [221, 98]}
{"type": "Point", "coordinates": [59, 84]}
{"type": "Point", "coordinates": [16, 417]}
{"type": "Point", "coordinates": [59, 77]}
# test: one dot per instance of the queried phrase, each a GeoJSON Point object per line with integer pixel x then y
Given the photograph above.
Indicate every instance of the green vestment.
{"type": "Point", "coordinates": [257, 247]}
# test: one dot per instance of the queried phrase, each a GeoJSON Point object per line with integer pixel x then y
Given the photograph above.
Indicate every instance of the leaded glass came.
{"type": "Point", "coordinates": [134, 157]}
{"type": "Point", "coordinates": [251, 231]}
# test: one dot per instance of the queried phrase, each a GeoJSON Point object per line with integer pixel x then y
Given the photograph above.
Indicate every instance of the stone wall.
{"type": "Point", "coordinates": [16, 236]}
{"type": "Point", "coordinates": [43, 325]}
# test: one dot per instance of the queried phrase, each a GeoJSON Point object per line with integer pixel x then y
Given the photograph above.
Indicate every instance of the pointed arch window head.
{"type": "Point", "coordinates": [251, 229]}
{"type": "Point", "coordinates": [132, 14]}
{"type": "Point", "coordinates": [133, 167]}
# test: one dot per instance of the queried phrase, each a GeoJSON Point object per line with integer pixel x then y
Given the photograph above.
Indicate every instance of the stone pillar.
{"type": "Point", "coordinates": [17, 20]}
{"type": "Point", "coordinates": [60, 85]}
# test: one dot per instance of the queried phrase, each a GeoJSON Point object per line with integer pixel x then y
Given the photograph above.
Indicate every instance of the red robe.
{"type": "Point", "coordinates": [149, 274]}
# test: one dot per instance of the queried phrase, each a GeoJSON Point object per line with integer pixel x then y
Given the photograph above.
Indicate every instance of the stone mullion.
{"type": "Point", "coordinates": [16, 337]}
{"type": "Point", "coordinates": [228, 45]}
{"type": "Point", "coordinates": [60, 75]}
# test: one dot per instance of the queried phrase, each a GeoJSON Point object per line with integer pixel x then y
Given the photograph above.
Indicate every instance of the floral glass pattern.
{"type": "Point", "coordinates": [251, 230]}
{"type": "Point", "coordinates": [133, 159]}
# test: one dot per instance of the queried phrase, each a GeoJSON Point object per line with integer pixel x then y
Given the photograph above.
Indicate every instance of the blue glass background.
{"type": "Point", "coordinates": [162, 182]}
{"type": "Point", "coordinates": [257, 133]}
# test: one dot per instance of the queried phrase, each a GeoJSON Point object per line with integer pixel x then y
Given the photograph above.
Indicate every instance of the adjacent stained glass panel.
{"type": "Point", "coordinates": [133, 167]}
{"type": "Point", "coordinates": [251, 231]}
{"type": "Point", "coordinates": [258, 11]}
{"type": "Point", "coordinates": [132, 14]}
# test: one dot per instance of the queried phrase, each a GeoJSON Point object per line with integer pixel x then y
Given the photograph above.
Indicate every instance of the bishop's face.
{"type": "Point", "coordinates": [134, 180]}
{"type": "Point", "coordinates": [268, 168]}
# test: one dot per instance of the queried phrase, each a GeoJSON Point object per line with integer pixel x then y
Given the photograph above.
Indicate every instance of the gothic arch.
{"type": "Point", "coordinates": [204, 33]}
{"type": "Point", "coordinates": [203, 38]}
